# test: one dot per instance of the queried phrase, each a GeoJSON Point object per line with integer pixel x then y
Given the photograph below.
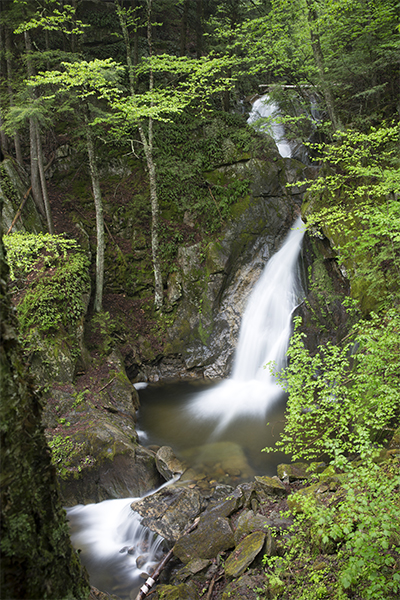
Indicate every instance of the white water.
{"type": "Point", "coordinates": [264, 108]}
{"type": "Point", "coordinates": [109, 533]}
{"type": "Point", "coordinates": [111, 539]}
{"type": "Point", "coordinates": [264, 336]}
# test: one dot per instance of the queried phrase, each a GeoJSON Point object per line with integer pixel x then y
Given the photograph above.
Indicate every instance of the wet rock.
{"type": "Point", "coordinates": [168, 511]}
{"type": "Point", "coordinates": [210, 538]}
{"type": "Point", "coordinates": [293, 471]}
{"type": "Point", "coordinates": [184, 591]}
{"type": "Point", "coordinates": [244, 554]}
{"type": "Point", "coordinates": [270, 486]}
{"type": "Point", "coordinates": [129, 472]}
{"type": "Point", "coordinates": [299, 470]}
{"type": "Point", "coordinates": [250, 521]}
{"type": "Point", "coordinates": [167, 463]}
{"type": "Point", "coordinates": [194, 566]}
{"type": "Point", "coordinates": [96, 594]}
{"type": "Point", "coordinates": [246, 587]}
{"type": "Point", "coordinates": [231, 503]}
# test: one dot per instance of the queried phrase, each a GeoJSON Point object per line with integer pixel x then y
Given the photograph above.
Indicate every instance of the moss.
{"type": "Point", "coordinates": [37, 560]}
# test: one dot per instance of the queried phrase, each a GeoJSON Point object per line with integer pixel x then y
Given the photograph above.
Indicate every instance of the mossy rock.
{"type": "Point", "coordinates": [244, 554]}
{"type": "Point", "coordinates": [213, 535]}
{"type": "Point", "coordinates": [246, 587]}
{"type": "Point", "coordinates": [183, 591]}
{"type": "Point", "coordinates": [270, 486]}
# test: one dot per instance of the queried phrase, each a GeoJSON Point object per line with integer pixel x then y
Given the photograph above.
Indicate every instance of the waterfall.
{"type": "Point", "coordinates": [263, 339]}
{"type": "Point", "coordinates": [264, 108]}
{"type": "Point", "coordinates": [113, 544]}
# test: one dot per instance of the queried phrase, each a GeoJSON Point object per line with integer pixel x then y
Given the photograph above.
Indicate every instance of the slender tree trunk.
{"type": "Point", "coordinates": [3, 77]}
{"type": "Point", "coordinates": [184, 22]}
{"type": "Point", "coordinates": [35, 175]}
{"type": "Point", "coordinates": [127, 42]}
{"type": "Point", "coordinates": [155, 215]}
{"type": "Point", "coordinates": [199, 28]}
{"type": "Point", "coordinates": [43, 182]}
{"type": "Point", "coordinates": [33, 136]}
{"type": "Point", "coordinates": [319, 61]}
{"type": "Point", "coordinates": [155, 209]}
{"type": "Point", "coordinates": [148, 150]}
{"type": "Point", "coordinates": [98, 203]}
{"type": "Point", "coordinates": [135, 7]}
{"type": "Point", "coordinates": [17, 143]}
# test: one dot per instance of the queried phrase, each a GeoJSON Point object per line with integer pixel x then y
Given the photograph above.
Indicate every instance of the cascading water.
{"type": "Point", "coordinates": [265, 108]}
{"type": "Point", "coordinates": [114, 546]}
{"type": "Point", "coordinates": [263, 340]}
{"type": "Point", "coordinates": [113, 543]}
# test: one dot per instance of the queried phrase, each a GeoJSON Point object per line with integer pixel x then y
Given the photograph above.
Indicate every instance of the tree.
{"type": "Point", "coordinates": [344, 53]}
{"type": "Point", "coordinates": [196, 79]}
{"type": "Point", "coordinates": [79, 83]}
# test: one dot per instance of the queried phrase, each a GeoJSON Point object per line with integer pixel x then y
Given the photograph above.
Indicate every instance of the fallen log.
{"type": "Point", "coordinates": [150, 581]}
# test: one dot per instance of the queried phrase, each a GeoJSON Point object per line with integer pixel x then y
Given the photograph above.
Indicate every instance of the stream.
{"type": "Point", "coordinates": [219, 430]}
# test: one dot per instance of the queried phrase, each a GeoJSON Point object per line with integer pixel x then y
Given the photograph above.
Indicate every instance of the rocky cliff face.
{"type": "Point", "coordinates": [213, 284]}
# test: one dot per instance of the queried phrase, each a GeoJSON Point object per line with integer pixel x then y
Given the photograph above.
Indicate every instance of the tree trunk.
{"type": "Point", "coordinates": [17, 143]}
{"type": "Point", "coordinates": [35, 176]}
{"type": "Point", "coordinates": [155, 209]}
{"type": "Point", "coordinates": [43, 182]}
{"type": "Point", "coordinates": [34, 137]}
{"type": "Point", "coordinates": [98, 203]}
{"type": "Point", "coordinates": [155, 214]}
{"type": "Point", "coordinates": [199, 28]}
{"type": "Point", "coordinates": [319, 61]}
{"type": "Point", "coordinates": [184, 22]}
{"type": "Point", "coordinates": [148, 150]}
{"type": "Point", "coordinates": [135, 7]}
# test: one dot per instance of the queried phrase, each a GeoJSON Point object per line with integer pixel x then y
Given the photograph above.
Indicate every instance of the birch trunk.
{"type": "Point", "coordinates": [43, 182]}
{"type": "Point", "coordinates": [148, 150]}
{"type": "Point", "coordinates": [33, 138]}
{"type": "Point", "coordinates": [98, 203]}
{"type": "Point", "coordinates": [17, 143]}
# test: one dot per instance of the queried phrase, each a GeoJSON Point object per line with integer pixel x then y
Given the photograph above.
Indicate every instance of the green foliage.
{"type": "Point", "coordinates": [105, 326]}
{"type": "Point", "coordinates": [342, 399]}
{"type": "Point", "coordinates": [50, 276]}
{"type": "Point", "coordinates": [186, 149]}
{"type": "Point", "coordinates": [350, 542]}
{"type": "Point", "coordinates": [64, 451]}
{"type": "Point", "coordinates": [354, 201]}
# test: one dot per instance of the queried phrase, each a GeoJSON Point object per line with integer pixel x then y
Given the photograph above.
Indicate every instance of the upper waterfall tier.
{"type": "Point", "coordinates": [264, 108]}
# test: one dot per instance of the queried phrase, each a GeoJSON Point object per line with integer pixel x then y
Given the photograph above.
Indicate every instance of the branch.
{"type": "Point", "coordinates": [144, 590]}
{"type": "Point", "coordinates": [24, 199]}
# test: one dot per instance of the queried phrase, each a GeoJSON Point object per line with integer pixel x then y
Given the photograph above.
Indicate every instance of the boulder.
{"type": "Point", "coordinates": [212, 536]}
{"type": "Point", "coordinates": [270, 486]}
{"type": "Point", "coordinates": [293, 471]}
{"type": "Point", "coordinates": [167, 464]}
{"type": "Point", "coordinates": [168, 511]}
{"type": "Point", "coordinates": [246, 587]}
{"type": "Point", "coordinates": [250, 522]}
{"type": "Point", "coordinates": [244, 554]}
{"type": "Point", "coordinates": [183, 591]}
